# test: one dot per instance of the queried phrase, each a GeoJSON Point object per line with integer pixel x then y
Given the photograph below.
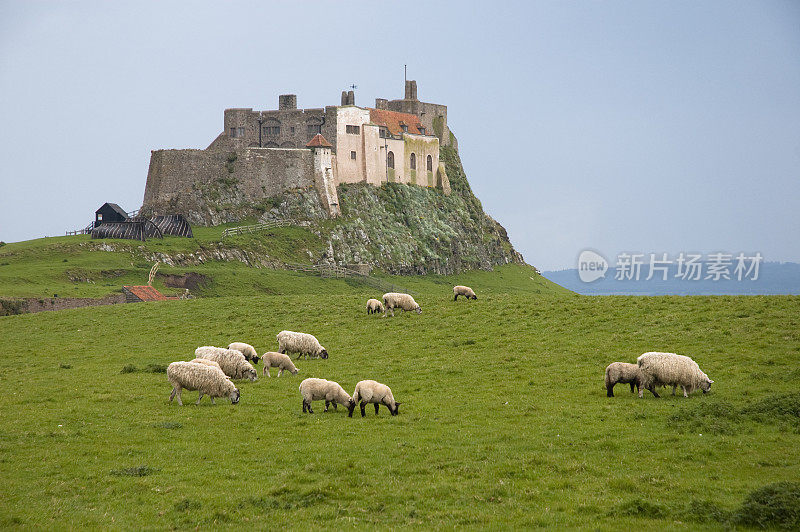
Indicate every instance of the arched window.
{"type": "Point", "coordinates": [430, 163]}
{"type": "Point", "coordinates": [390, 160]}
{"type": "Point", "coordinates": [413, 161]}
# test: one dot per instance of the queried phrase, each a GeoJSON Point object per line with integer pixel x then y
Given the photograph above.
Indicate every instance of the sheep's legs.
{"type": "Point", "coordinates": [212, 400]}
{"type": "Point", "coordinates": [266, 371]}
{"type": "Point", "coordinates": [674, 387]}
{"type": "Point", "coordinates": [632, 384]}
{"type": "Point", "coordinates": [455, 298]}
{"type": "Point", "coordinates": [685, 393]}
{"type": "Point", "coordinates": [280, 372]}
{"type": "Point", "coordinates": [180, 391]}
{"type": "Point", "coordinates": [363, 412]}
{"type": "Point", "coordinates": [172, 395]}
{"type": "Point", "coordinates": [376, 408]}
{"type": "Point", "coordinates": [307, 405]}
{"type": "Point", "coordinates": [610, 390]}
{"type": "Point", "coordinates": [326, 405]}
{"type": "Point", "coordinates": [198, 399]}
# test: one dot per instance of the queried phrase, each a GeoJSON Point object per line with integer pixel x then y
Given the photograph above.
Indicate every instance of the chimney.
{"type": "Point", "coordinates": [344, 97]}
{"type": "Point", "coordinates": [287, 101]}
{"type": "Point", "coordinates": [411, 89]}
{"type": "Point", "coordinates": [351, 98]}
{"type": "Point", "coordinates": [381, 103]}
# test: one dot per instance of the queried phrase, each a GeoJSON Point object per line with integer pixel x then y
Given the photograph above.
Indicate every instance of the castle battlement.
{"type": "Point", "coordinates": [264, 153]}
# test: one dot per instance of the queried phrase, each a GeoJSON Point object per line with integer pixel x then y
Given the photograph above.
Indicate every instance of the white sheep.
{"type": "Point", "coordinates": [622, 372]}
{"type": "Point", "coordinates": [319, 389]}
{"type": "Point", "coordinates": [247, 350]}
{"type": "Point", "coordinates": [669, 369]}
{"type": "Point", "coordinates": [303, 343]}
{"type": "Point", "coordinates": [206, 379]}
{"type": "Point", "coordinates": [465, 291]}
{"type": "Point", "coordinates": [376, 393]}
{"type": "Point", "coordinates": [271, 359]}
{"type": "Point", "coordinates": [392, 300]}
{"type": "Point", "coordinates": [373, 306]}
{"type": "Point", "coordinates": [231, 361]}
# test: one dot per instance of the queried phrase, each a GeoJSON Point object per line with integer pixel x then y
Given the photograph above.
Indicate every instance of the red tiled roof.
{"type": "Point", "coordinates": [392, 121]}
{"type": "Point", "coordinates": [318, 142]}
{"type": "Point", "coordinates": [146, 293]}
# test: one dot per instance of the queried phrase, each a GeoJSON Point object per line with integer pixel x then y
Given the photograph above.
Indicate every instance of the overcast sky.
{"type": "Point", "coordinates": [660, 126]}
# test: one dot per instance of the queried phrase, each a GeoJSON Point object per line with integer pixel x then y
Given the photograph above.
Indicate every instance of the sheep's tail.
{"type": "Point", "coordinates": [607, 378]}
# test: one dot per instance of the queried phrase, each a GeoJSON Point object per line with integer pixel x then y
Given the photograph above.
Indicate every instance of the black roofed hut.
{"type": "Point", "coordinates": [109, 212]}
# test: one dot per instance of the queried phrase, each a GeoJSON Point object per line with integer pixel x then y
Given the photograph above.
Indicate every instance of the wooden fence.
{"type": "Point", "coordinates": [248, 229]}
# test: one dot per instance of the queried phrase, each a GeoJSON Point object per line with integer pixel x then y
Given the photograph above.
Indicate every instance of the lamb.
{"type": "Point", "coordinates": [376, 393]}
{"type": "Point", "coordinates": [318, 389]}
{"type": "Point", "coordinates": [374, 306]}
{"type": "Point", "coordinates": [302, 343]}
{"type": "Point", "coordinates": [622, 372]}
{"type": "Point", "coordinates": [669, 369]}
{"type": "Point", "coordinates": [272, 359]}
{"type": "Point", "coordinates": [394, 300]}
{"type": "Point", "coordinates": [231, 361]}
{"type": "Point", "coordinates": [465, 291]}
{"type": "Point", "coordinates": [206, 379]}
{"type": "Point", "coordinates": [247, 350]}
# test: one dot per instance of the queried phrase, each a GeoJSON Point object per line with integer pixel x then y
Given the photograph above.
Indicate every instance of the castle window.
{"type": "Point", "coordinates": [291, 130]}
{"type": "Point", "coordinates": [405, 128]}
{"type": "Point", "coordinates": [413, 161]}
{"type": "Point", "coordinates": [272, 130]}
{"type": "Point", "coordinates": [383, 133]}
{"type": "Point", "coordinates": [237, 132]}
{"type": "Point", "coordinates": [313, 129]}
{"type": "Point", "coordinates": [422, 130]}
{"type": "Point", "coordinates": [390, 159]}
{"type": "Point", "coordinates": [353, 130]}
{"type": "Point", "coordinates": [430, 163]}
{"type": "Point", "coordinates": [353, 155]}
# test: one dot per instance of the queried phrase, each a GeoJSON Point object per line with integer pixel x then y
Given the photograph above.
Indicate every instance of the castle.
{"type": "Point", "coordinates": [260, 154]}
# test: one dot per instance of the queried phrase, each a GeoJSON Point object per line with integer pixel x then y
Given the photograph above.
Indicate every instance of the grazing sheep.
{"type": "Point", "coordinates": [373, 306]}
{"type": "Point", "coordinates": [302, 343]}
{"type": "Point", "coordinates": [330, 391]}
{"type": "Point", "coordinates": [206, 379]}
{"type": "Point", "coordinates": [231, 361]}
{"type": "Point", "coordinates": [247, 350]}
{"type": "Point", "coordinates": [669, 369]}
{"type": "Point", "coordinates": [465, 291]}
{"type": "Point", "coordinates": [622, 372]}
{"type": "Point", "coordinates": [376, 393]}
{"type": "Point", "coordinates": [394, 300]}
{"type": "Point", "coordinates": [272, 359]}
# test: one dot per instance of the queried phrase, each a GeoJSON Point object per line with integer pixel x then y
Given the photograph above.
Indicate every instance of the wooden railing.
{"type": "Point", "coordinates": [85, 231]}
{"type": "Point", "coordinates": [248, 229]}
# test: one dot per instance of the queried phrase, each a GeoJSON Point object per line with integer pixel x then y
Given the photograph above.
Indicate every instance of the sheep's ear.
{"type": "Point", "coordinates": [710, 381]}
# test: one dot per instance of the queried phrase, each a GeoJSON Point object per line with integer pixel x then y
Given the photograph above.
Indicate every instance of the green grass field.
{"type": "Point", "coordinates": [504, 422]}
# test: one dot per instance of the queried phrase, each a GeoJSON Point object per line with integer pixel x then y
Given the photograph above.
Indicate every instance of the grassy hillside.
{"type": "Point", "coordinates": [77, 266]}
{"type": "Point", "coordinates": [504, 421]}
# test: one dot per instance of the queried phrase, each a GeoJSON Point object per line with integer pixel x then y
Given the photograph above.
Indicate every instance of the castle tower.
{"type": "Point", "coordinates": [324, 182]}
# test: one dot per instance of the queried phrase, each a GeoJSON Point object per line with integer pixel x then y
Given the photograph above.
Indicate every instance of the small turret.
{"type": "Point", "coordinates": [287, 101]}
{"type": "Point", "coordinates": [411, 89]}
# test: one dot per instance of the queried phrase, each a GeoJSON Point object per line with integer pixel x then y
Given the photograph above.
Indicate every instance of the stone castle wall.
{"type": "Point", "coordinates": [185, 181]}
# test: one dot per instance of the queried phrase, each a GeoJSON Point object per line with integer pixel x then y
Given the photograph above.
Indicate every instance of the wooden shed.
{"type": "Point", "coordinates": [109, 212]}
{"type": "Point", "coordinates": [137, 294]}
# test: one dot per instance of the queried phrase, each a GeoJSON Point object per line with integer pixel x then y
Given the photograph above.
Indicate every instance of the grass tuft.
{"type": "Point", "coordinates": [137, 471]}
{"type": "Point", "coordinates": [773, 506]}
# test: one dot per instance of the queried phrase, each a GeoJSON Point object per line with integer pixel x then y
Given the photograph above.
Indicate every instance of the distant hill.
{"type": "Point", "coordinates": [774, 278]}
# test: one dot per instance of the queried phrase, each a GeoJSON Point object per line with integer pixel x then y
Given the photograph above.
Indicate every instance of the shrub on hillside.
{"type": "Point", "coordinates": [773, 506]}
